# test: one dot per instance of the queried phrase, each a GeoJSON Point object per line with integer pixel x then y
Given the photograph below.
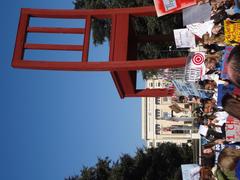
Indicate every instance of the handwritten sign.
{"type": "Point", "coordinates": [232, 32]}
{"type": "Point", "coordinates": [164, 7]}
{"type": "Point", "coordinates": [199, 29]}
{"type": "Point", "coordinates": [232, 129]}
{"type": "Point", "coordinates": [190, 171]}
{"type": "Point", "coordinates": [184, 38]}
{"type": "Point", "coordinates": [185, 88]}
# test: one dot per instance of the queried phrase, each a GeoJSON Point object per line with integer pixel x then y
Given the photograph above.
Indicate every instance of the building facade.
{"type": "Point", "coordinates": [160, 123]}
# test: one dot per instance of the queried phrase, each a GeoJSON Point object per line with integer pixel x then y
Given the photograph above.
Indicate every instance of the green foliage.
{"type": "Point", "coordinates": [160, 163]}
{"type": "Point", "coordinates": [148, 26]}
{"type": "Point", "coordinates": [142, 25]}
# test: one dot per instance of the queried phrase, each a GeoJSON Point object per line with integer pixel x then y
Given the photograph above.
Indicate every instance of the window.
{"type": "Point", "coordinates": [165, 99]}
{"type": "Point", "coordinates": [180, 131]}
{"type": "Point", "coordinates": [157, 114]}
{"type": "Point", "coordinates": [166, 115]}
{"type": "Point", "coordinates": [150, 144]}
{"type": "Point", "coordinates": [157, 100]}
{"type": "Point", "coordinates": [157, 129]}
{"type": "Point", "coordinates": [151, 84]}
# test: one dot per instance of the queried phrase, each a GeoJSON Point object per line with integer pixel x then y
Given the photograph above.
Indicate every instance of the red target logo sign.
{"type": "Point", "coordinates": [198, 59]}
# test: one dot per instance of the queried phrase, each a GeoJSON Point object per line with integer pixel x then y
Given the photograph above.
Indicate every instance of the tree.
{"type": "Point", "coordinates": [156, 163]}
{"type": "Point", "coordinates": [148, 26]}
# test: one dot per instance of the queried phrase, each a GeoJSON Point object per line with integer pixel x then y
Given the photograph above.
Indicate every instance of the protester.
{"type": "Point", "coordinates": [229, 162]}
{"type": "Point", "coordinates": [231, 104]}
{"type": "Point", "coordinates": [233, 66]}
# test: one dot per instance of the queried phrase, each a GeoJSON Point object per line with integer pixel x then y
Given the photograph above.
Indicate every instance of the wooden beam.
{"type": "Point", "coordinates": [55, 30]}
{"type": "Point", "coordinates": [62, 47]}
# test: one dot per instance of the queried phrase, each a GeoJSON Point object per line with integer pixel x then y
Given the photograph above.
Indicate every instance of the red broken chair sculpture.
{"type": "Point", "coordinates": [122, 64]}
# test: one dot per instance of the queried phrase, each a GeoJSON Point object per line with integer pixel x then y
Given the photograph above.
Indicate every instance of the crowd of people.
{"type": "Point", "coordinates": [220, 152]}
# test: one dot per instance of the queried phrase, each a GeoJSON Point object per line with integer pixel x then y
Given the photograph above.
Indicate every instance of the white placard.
{"type": "Point", "coordinates": [203, 130]}
{"type": "Point", "coordinates": [190, 171]}
{"type": "Point", "coordinates": [199, 29]}
{"type": "Point", "coordinates": [184, 38]}
{"type": "Point", "coordinates": [195, 67]}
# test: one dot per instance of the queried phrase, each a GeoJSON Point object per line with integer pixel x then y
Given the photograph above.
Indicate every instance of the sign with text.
{"type": "Point", "coordinates": [190, 171]}
{"type": "Point", "coordinates": [185, 88]}
{"type": "Point", "coordinates": [184, 38]}
{"type": "Point", "coordinates": [232, 129]}
{"type": "Point", "coordinates": [232, 32]}
{"type": "Point", "coordinates": [199, 29]}
{"type": "Point", "coordinates": [164, 7]}
{"type": "Point", "coordinates": [195, 67]}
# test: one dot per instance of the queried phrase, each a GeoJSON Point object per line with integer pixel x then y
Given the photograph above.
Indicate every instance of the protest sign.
{"type": "Point", "coordinates": [199, 29]}
{"type": "Point", "coordinates": [185, 88]}
{"type": "Point", "coordinates": [231, 32]}
{"type": "Point", "coordinates": [195, 67]}
{"type": "Point", "coordinates": [205, 94]}
{"type": "Point", "coordinates": [203, 130]}
{"type": "Point", "coordinates": [232, 128]}
{"type": "Point", "coordinates": [190, 171]}
{"type": "Point", "coordinates": [164, 7]}
{"type": "Point", "coordinates": [184, 38]}
{"type": "Point", "coordinates": [176, 108]}
{"type": "Point", "coordinates": [196, 13]}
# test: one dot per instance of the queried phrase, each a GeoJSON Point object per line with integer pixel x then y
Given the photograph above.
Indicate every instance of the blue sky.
{"type": "Point", "coordinates": [54, 122]}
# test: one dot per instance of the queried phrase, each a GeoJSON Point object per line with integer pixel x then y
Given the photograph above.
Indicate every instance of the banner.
{"type": "Point", "coordinates": [232, 32]}
{"type": "Point", "coordinates": [164, 7]}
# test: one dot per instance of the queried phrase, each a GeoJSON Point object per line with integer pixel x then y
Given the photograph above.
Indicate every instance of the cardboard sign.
{"type": "Point", "coordinates": [176, 108]}
{"type": "Point", "coordinates": [184, 38]}
{"type": "Point", "coordinates": [232, 129]}
{"type": "Point", "coordinates": [164, 7]}
{"type": "Point", "coordinates": [232, 32]}
{"type": "Point", "coordinates": [224, 74]}
{"type": "Point", "coordinates": [195, 67]}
